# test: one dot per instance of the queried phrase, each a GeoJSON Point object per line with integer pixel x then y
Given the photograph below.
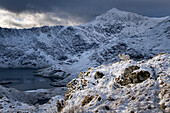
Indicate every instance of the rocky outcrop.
{"type": "Point", "coordinates": [133, 75]}
{"type": "Point", "coordinates": [142, 86]}
{"type": "Point", "coordinates": [73, 86]}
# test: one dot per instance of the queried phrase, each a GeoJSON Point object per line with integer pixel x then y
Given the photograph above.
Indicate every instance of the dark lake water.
{"type": "Point", "coordinates": [24, 79]}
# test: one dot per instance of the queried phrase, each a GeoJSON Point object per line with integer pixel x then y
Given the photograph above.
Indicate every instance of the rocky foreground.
{"type": "Point", "coordinates": [125, 86]}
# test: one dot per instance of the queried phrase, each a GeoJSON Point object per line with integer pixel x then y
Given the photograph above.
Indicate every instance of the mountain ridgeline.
{"type": "Point", "coordinates": [99, 41]}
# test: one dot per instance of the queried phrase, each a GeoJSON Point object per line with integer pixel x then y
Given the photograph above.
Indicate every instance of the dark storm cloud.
{"type": "Point", "coordinates": [88, 9]}
{"type": "Point", "coordinates": [70, 12]}
{"type": "Point", "coordinates": [63, 8]}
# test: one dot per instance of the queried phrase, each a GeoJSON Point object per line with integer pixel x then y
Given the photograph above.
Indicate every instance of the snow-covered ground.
{"type": "Point", "coordinates": [124, 86]}
{"type": "Point", "coordinates": [147, 92]}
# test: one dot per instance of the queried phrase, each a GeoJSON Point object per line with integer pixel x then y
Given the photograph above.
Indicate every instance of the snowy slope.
{"type": "Point", "coordinates": [102, 89]}
{"type": "Point", "coordinates": [45, 46]}
{"type": "Point", "coordinates": [107, 88]}
{"type": "Point", "coordinates": [118, 32]}
{"type": "Point", "coordinates": [12, 100]}
{"type": "Point", "coordinates": [39, 47]}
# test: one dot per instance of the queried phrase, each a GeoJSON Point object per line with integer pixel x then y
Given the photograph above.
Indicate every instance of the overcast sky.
{"type": "Point", "coordinates": [36, 13]}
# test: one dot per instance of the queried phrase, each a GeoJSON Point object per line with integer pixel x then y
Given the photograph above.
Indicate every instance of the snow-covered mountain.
{"type": "Point", "coordinates": [112, 33]}
{"type": "Point", "coordinates": [66, 51]}
{"type": "Point", "coordinates": [123, 86]}
{"type": "Point", "coordinates": [103, 38]}
{"type": "Point", "coordinates": [72, 49]}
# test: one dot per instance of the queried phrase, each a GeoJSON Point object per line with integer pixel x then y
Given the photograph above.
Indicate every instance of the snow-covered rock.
{"type": "Point", "coordinates": [107, 94]}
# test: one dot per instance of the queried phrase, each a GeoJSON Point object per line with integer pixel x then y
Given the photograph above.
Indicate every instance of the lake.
{"type": "Point", "coordinates": [24, 79]}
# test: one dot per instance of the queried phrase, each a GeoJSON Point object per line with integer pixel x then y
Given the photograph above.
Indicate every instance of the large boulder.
{"type": "Point", "coordinates": [133, 75]}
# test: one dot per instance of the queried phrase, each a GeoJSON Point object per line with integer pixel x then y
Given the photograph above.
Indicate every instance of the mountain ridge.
{"type": "Point", "coordinates": [91, 44]}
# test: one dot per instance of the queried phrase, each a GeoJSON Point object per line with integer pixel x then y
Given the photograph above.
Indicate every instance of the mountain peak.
{"type": "Point", "coordinates": [115, 10]}
{"type": "Point", "coordinates": [119, 15]}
